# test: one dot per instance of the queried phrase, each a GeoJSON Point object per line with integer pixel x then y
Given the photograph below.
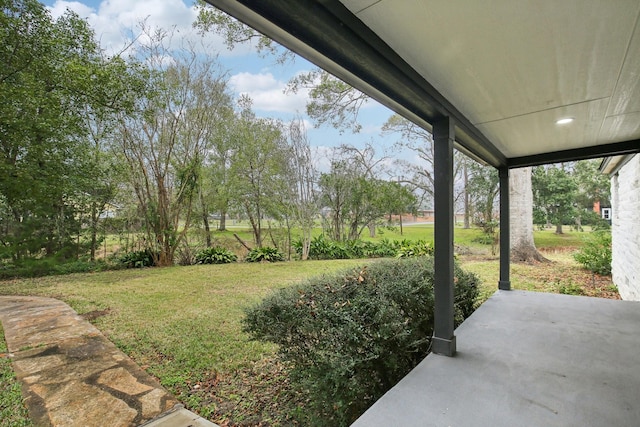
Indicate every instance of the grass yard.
{"type": "Point", "coordinates": [12, 411]}
{"type": "Point", "coordinates": [183, 324]}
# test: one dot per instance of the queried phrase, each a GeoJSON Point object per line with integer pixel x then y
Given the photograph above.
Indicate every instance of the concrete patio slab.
{"type": "Point", "coordinates": [179, 418]}
{"type": "Point", "coordinates": [73, 376]}
{"type": "Point", "coordinates": [527, 359]}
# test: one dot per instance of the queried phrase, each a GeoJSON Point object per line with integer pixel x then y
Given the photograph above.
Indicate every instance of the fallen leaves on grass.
{"type": "Point", "coordinates": [257, 396]}
{"type": "Point", "coordinates": [563, 275]}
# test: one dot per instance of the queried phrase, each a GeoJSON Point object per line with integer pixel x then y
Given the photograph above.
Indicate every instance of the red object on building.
{"type": "Point", "coordinates": [596, 207]}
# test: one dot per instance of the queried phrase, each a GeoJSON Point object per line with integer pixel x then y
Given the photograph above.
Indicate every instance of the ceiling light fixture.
{"type": "Point", "coordinates": [564, 121]}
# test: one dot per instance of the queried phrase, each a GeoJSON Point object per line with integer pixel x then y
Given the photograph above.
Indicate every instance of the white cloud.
{"type": "Point", "coordinates": [321, 156]}
{"type": "Point", "coordinates": [60, 7]}
{"type": "Point", "coordinates": [268, 93]}
{"type": "Point", "coordinates": [115, 21]}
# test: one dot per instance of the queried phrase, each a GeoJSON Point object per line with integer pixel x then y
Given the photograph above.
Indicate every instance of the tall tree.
{"type": "Point", "coordinates": [419, 173]}
{"type": "Point", "coordinates": [354, 195]}
{"type": "Point", "coordinates": [303, 176]}
{"type": "Point", "coordinates": [258, 168]}
{"type": "Point", "coordinates": [166, 142]}
{"type": "Point", "coordinates": [52, 73]}
{"type": "Point", "coordinates": [396, 199]}
{"type": "Point", "coordinates": [592, 185]}
{"type": "Point", "coordinates": [523, 248]}
{"type": "Point", "coordinates": [331, 101]}
{"type": "Point", "coordinates": [483, 190]}
{"type": "Point", "coordinates": [554, 192]}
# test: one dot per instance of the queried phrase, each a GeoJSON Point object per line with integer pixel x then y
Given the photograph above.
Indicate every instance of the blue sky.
{"type": "Point", "coordinates": [260, 78]}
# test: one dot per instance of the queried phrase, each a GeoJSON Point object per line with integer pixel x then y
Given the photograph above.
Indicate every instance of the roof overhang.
{"type": "Point", "coordinates": [504, 72]}
{"type": "Point", "coordinates": [611, 165]}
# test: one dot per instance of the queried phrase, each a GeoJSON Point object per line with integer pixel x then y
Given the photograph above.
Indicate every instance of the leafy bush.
{"type": "Point", "coordinates": [265, 253]}
{"type": "Point", "coordinates": [385, 248]}
{"type": "Point", "coordinates": [137, 259]}
{"type": "Point", "coordinates": [215, 255]}
{"type": "Point", "coordinates": [414, 248]}
{"type": "Point", "coordinates": [323, 248]}
{"type": "Point", "coordinates": [595, 254]}
{"type": "Point", "coordinates": [595, 220]}
{"type": "Point", "coordinates": [351, 336]}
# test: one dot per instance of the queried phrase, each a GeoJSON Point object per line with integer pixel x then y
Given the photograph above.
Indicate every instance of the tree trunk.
{"type": "Point", "coordinates": [94, 231]}
{"type": "Point", "coordinates": [523, 248]}
{"type": "Point", "coordinates": [205, 220]}
{"type": "Point", "coordinates": [223, 220]}
{"type": "Point", "coordinates": [207, 229]}
{"type": "Point", "coordinates": [467, 202]}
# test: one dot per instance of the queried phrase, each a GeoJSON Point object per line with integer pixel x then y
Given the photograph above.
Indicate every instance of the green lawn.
{"type": "Point", "coordinates": [183, 324]}
{"type": "Point", "coordinates": [12, 411]}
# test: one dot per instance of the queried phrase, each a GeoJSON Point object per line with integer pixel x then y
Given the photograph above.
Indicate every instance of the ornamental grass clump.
{"type": "Point", "coordinates": [351, 336]}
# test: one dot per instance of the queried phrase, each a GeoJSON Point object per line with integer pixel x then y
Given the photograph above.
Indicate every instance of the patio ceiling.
{"type": "Point", "coordinates": [504, 71]}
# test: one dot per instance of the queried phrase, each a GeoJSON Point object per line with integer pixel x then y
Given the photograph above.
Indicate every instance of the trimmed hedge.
{"type": "Point", "coordinates": [351, 336]}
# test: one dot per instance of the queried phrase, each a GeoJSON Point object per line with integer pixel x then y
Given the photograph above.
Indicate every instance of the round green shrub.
{"type": "Point", "coordinates": [215, 255]}
{"type": "Point", "coordinates": [264, 254]}
{"type": "Point", "coordinates": [595, 254]}
{"type": "Point", "coordinates": [351, 336]}
{"type": "Point", "coordinates": [137, 259]}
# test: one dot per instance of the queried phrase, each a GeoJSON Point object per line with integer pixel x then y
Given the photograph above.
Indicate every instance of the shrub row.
{"type": "Point", "coordinates": [322, 247]}
{"type": "Point", "coordinates": [51, 267]}
{"type": "Point", "coordinates": [351, 336]}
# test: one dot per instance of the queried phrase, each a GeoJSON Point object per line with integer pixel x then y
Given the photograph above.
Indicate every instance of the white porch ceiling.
{"type": "Point", "coordinates": [515, 67]}
{"type": "Point", "coordinates": [503, 70]}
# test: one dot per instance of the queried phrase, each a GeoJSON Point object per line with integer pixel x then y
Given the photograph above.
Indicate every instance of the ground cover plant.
{"type": "Point", "coordinates": [184, 324]}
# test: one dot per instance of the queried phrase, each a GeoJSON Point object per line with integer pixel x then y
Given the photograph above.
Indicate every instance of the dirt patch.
{"type": "Point", "coordinates": [93, 315]}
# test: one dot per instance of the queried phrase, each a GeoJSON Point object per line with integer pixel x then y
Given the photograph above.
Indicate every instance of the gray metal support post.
{"type": "Point", "coordinates": [444, 342]}
{"type": "Point", "coordinates": [505, 244]}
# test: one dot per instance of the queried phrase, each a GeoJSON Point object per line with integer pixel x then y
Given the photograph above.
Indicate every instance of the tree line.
{"type": "Point", "coordinates": [154, 136]}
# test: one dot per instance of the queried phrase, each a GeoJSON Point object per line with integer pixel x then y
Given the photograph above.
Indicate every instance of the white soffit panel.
{"type": "Point", "coordinates": [624, 127]}
{"type": "Point", "coordinates": [522, 62]}
{"type": "Point", "coordinates": [499, 59]}
{"type": "Point", "coordinates": [539, 132]}
{"type": "Point", "coordinates": [626, 97]}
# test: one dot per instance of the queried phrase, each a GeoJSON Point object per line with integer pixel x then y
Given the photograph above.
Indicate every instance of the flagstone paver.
{"type": "Point", "coordinates": [73, 376]}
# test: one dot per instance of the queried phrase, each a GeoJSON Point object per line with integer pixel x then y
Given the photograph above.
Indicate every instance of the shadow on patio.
{"type": "Point", "coordinates": [527, 359]}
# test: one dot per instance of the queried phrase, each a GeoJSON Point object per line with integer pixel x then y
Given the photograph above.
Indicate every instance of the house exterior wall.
{"type": "Point", "coordinates": [625, 200]}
